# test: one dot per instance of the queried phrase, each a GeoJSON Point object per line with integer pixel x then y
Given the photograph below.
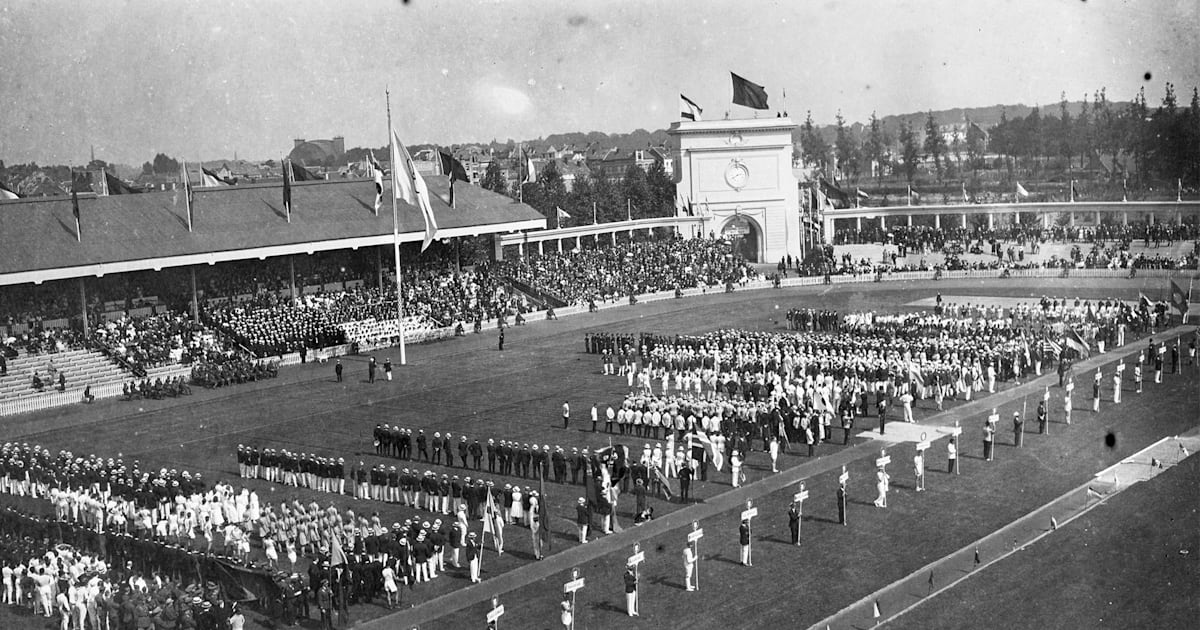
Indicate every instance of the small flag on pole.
{"type": "Point", "coordinates": [530, 170]}
{"type": "Point", "coordinates": [748, 94]}
{"type": "Point", "coordinates": [75, 211]}
{"type": "Point", "coordinates": [377, 175]}
{"type": "Point", "coordinates": [875, 610]}
{"type": "Point", "coordinates": [560, 214]}
{"type": "Point", "coordinates": [688, 109]}
{"type": "Point", "coordinates": [966, 197]}
{"type": "Point", "coordinates": [977, 555]}
{"type": "Point", "coordinates": [187, 193]}
{"type": "Point", "coordinates": [1021, 192]}
{"type": "Point", "coordinates": [211, 179]}
{"type": "Point", "coordinates": [454, 169]}
{"type": "Point", "coordinates": [1072, 191]}
{"type": "Point", "coordinates": [931, 580]}
{"type": "Point", "coordinates": [1053, 523]}
{"type": "Point", "coordinates": [287, 189]}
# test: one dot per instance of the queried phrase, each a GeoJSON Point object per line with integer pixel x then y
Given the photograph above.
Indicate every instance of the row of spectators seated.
{"type": "Point", "coordinates": [272, 323]}
{"type": "Point", "coordinates": [232, 369]}
{"type": "Point", "coordinates": [583, 276]}
{"type": "Point", "coordinates": [156, 340]}
{"type": "Point", "coordinates": [156, 389]}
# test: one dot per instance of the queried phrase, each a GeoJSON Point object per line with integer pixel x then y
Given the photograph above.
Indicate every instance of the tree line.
{"type": "Point", "coordinates": [637, 193]}
{"type": "Point", "coordinates": [1138, 143]}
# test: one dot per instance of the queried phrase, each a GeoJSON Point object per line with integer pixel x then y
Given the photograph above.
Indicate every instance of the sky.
{"type": "Point", "coordinates": [208, 79]}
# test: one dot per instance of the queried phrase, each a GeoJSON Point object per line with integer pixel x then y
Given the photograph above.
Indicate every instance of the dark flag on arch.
{"type": "Point", "coordinates": [748, 93]}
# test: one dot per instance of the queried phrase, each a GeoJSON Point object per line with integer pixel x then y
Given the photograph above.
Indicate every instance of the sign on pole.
{"type": "Point", "coordinates": [573, 585]}
{"type": "Point", "coordinates": [695, 535]}
{"type": "Point", "coordinates": [496, 611]}
{"type": "Point", "coordinates": [638, 556]}
{"type": "Point", "coordinates": [924, 443]}
{"type": "Point", "coordinates": [845, 476]}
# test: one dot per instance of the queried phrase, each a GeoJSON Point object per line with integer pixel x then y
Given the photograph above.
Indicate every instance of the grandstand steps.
{"type": "Point", "coordinates": [874, 252]}
{"type": "Point", "coordinates": [81, 367]}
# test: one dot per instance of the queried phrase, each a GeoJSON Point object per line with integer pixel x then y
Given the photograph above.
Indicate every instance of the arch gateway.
{"type": "Point", "coordinates": [737, 177]}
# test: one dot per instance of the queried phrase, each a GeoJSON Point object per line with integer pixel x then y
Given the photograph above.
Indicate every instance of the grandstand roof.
{"type": "Point", "coordinates": [149, 231]}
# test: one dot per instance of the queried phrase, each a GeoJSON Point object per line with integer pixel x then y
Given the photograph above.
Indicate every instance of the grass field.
{"type": "Point", "coordinates": [465, 386]}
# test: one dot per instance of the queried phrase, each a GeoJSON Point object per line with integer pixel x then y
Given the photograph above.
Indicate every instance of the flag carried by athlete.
{"type": "Point", "coordinates": [1180, 298]}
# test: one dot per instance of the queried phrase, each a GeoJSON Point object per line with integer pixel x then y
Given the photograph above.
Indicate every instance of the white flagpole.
{"type": "Point", "coordinates": [396, 235]}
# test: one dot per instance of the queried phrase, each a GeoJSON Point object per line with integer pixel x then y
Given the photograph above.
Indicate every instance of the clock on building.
{"type": "Point", "coordinates": [736, 175]}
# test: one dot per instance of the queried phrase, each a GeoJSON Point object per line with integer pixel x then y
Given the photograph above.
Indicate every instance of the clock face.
{"type": "Point", "coordinates": [737, 175]}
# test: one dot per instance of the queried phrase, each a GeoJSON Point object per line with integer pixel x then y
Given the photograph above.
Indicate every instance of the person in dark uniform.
{"type": "Point", "coordinates": [685, 483]}
{"type": "Point", "coordinates": [371, 370]}
{"type": "Point", "coordinates": [744, 542]}
{"type": "Point", "coordinates": [1096, 393]}
{"type": "Point", "coordinates": [500, 340]}
{"type": "Point", "coordinates": [1043, 423]}
{"type": "Point", "coordinates": [631, 590]}
{"type": "Point", "coordinates": [882, 405]}
{"type": "Point", "coordinates": [794, 523]}
{"type": "Point", "coordinates": [989, 436]}
{"type": "Point", "coordinates": [1018, 429]}
{"type": "Point", "coordinates": [1174, 360]}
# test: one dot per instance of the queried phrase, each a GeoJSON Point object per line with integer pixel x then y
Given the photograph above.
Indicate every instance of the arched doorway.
{"type": "Point", "coordinates": [744, 234]}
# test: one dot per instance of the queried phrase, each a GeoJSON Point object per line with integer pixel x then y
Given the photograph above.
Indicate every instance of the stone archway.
{"type": "Point", "coordinates": [746, 236]}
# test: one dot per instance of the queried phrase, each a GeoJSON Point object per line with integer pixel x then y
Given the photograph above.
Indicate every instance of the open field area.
{"type": "Point", "coordinates": [465, 386]}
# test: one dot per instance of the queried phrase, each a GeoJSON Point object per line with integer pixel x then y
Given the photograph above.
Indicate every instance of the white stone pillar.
{"type": "Point", "coordinates": [541, 250]}
{"type": "Point", "coordinates": [991, 221]}
{"type": "Point", "coordinates": [908, 220]}
{"type": "Point", "coordinates": [937, 221]}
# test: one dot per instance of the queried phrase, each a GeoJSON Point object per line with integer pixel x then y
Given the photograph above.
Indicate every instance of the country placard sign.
{"type": "Point", "coordinates": [799, 497]}
{"type": "Point", "coordinates": [1120, 367]}
{"type": "Point", "coordinates": [696, 535]}
{"type": "Point", "coordinates": [994, 418]}
{"type": "Point", "coordinates": [955, 431]}
{"type": "Point", "coordinates": [844, 477]}
{"type": "Point", "coordinates": [1071, 386]}
{"type": "Point", "coordinates": [637, 558]}
{"type": "Point", "coordinates": [749, 514]}
{"type": "Point", "coordinates": [495, 613]}
{"type": "Point", "coordinates": [883, 461]}
{"type": "Point", "coordinates": [922, 445]}
{"type": "Point", "coordinates": [573, 585]}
